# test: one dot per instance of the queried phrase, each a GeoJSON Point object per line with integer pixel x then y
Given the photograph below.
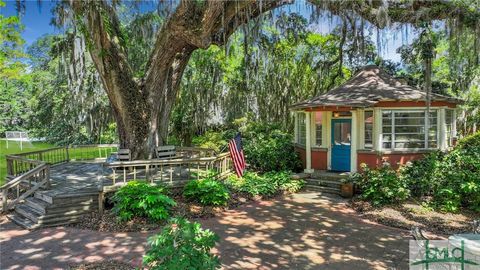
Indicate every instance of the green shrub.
{"type": "Point", "coordinates": [265, 185]}
{"type": "Point", "coordinates": [421, 175]}
{"type": "Point", "coordinates": [211, 139]}
{"type": "Point", "coordinates": [381, 186]}
{"type": "Point", "coordinates": [268, 148]}
{"type": "Point", "coordinates": [182, 245]}
{"type": "Point", "coordinates": [206, 191]}
{"type": "Point", "coordinates": [141, 199]}
{"type": "Point", "coordinates": [284, 182]}
{"type": "Point", "coordinates": [459, 176]}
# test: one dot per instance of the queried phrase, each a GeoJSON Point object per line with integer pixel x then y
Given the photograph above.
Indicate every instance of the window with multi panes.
{"type": "Point", "coordinates": [449, 118]}
{"type": "Point", "coordinates": [302, 128]}
{"type": "Point", "coordinates": [368, 129]}
{"type": "Point", "coordinates": [318, 128]}
{"type": "Point", "coordinates": [402, 129]}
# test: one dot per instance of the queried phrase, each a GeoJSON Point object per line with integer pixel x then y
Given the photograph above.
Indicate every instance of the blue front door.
{"type": "Point", "coordinates": [341, 132]}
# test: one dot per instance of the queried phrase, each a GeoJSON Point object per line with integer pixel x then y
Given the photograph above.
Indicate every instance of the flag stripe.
{"type": "Point", "coordinates": [236, 153]}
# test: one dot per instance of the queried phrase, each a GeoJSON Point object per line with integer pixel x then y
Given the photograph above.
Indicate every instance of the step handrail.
{"type": "Point", "coordinates": [43, 172]}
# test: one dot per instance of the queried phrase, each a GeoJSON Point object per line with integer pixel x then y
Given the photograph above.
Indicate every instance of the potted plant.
{"type": "Point", "coordinates": [347, 186]}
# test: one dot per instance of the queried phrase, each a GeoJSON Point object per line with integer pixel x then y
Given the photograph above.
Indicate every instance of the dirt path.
{"type": "Point", "coordinates": [303, 231]}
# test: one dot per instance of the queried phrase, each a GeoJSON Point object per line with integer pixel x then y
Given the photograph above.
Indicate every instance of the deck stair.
{"type": "Point", "coordinates": [44, 210]}
{"type": "Point", "coordinates": [325, 182]}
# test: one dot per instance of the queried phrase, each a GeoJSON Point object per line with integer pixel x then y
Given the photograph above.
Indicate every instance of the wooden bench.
{"type": "Point", "coordinates": [166, 152]}
{"type": "Point", "coordinates": [124, 155]}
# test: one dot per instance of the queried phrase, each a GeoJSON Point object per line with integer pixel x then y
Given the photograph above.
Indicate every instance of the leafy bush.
{"type": "Point", "coordinates": [182, 245]}
{"type": "Point", "coordinates": [211, 139]}
{"type": "Point", "coordinates": [459, 176]}
{"type": "Point", "coordinates": [141, 199]}
{"type": "Point", "coordinates": [266, 185]}
{"type": "Point", "coordinates": [381, 186]}
{"type": "Point", "coordinates": [206, 191]}
{"type": "Point", "coordinates": [284, 182]}
{"type": "Point", "coordinates": [268, 148]}
{"type": "Point", "coordinates": [421, 175]}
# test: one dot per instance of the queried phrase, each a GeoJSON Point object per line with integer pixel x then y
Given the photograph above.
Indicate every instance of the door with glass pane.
{"type": "Point", "coordinates": [341, 140]}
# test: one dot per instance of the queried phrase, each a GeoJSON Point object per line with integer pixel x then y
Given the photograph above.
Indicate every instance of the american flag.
{"type": "Point", "coordinates": [236, 152]}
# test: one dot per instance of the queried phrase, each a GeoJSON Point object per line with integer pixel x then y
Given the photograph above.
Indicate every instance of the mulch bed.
{"type": "Point", "coordinates": [105, 265]}
{"type": "Point", "coordinates": [108, 222]}
{"type": "Point", "coordinates": [408, 214]}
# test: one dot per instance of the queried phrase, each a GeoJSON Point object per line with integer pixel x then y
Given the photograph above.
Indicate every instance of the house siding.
{"type": "Point", "coordinates": [374, 160]}
{"type": "Point", "coordinates": [319, 157]}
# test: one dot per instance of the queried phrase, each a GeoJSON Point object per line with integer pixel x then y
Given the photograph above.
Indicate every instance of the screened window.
{"type": "Point", "coordinates": [318, 128]}
{"type": "Point", "coordinates": [302, 129]}
{"type": "Point", "coordinates": [449, 118]}
{"type": "Point", "coordinates": [406, 129]}
{"type": "Point", "coordinates": [368, 119]}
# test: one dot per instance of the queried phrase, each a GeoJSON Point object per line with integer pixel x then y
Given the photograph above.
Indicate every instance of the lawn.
{"type": "Point", "coordinates": [13, 148]}
{"type": "Point", "coordinates": [83, 153]}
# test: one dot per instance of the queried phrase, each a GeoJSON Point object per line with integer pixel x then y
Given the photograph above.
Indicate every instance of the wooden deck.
{"type": "Point", "coordinates": [58, 186]}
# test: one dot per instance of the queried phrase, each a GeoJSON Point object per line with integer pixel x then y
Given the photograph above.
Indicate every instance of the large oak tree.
{"type": "Point", "coordinates": [142, 106]}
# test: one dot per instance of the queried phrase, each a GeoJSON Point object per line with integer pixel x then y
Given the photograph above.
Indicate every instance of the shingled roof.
{"type": "Point", "coordinates": [366, 88]}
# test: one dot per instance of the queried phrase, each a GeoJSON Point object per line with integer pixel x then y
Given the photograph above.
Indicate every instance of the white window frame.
{"type": "Point", "coordinates": [318, 136]}
{"type": "Point", "coordinates": [301, 120]}
{"type": "Point", "coordinates": [393, 140]}
{"type": "Point", "coordinates": [449, 137]}
{"type": "Point", "coordinates": [364, 129]}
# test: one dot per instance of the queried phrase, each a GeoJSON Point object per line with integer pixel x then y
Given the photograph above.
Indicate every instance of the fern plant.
{"type": "Point", "coordinates": [207, 191]}
{"type": "Point", "coordinates": [138, 198]}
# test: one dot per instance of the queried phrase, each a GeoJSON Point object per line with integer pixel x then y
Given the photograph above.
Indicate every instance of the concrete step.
{"type": "Point", "coordinates": [325, 183]}
{"type": "Point", "coordinates": [323, 189]}
{"type": "Point", "coordinates": [331, 176]}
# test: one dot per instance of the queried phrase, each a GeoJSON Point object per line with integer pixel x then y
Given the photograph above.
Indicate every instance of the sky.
{"type": "Point", "coordinates": [37, 18]}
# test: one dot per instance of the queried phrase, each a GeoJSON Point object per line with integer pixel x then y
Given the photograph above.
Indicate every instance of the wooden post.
{"type": "Point", "coordinates": [147, 169]}
{"type": "Point", "coordinates": [67, 154]}
{"type": "Point", "coordinates": [308, 142]}
{"type": "Point", "coordinates": [47, 176]}
{"type": "Point", "coordinates": [4, 200]}
{"type": "Point", "coordinates": [101, 198]}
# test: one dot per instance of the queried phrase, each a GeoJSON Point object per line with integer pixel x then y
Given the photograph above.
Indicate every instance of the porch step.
{"type": "Point", "coordinates": [324, 183]}
{"type": "Point", "coordinates": [45, 209]}
{"type": "Point", "coordinates": [23, 221]}
{"type": "Point", "coordinates": [323, 189]}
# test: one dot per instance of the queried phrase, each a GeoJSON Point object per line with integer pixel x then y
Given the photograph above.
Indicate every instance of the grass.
{"type": "Point", "coordinates": [83, 153]}
{"type": "Point", "coordinates": [14, 148]}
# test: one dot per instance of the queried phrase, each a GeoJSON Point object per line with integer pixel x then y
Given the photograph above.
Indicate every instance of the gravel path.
{"type": "Point", "coordinates": [302, 231]}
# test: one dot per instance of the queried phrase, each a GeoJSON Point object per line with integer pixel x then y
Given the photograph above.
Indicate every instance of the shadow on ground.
{"type": "Point", "coordinates": [302, 231]}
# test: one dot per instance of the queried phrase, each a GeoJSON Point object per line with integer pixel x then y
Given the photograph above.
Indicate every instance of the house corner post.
{"type": "Point", "coordinates": [443, 130]}
{"type": "Point", "coordinates": [353, 142]}
{"type": "Point", "coordinates": [377, 129]}
{"type": "Point", "coordinates": [308, 143]}
{"type": "Point", "coordinates": [295, 127]}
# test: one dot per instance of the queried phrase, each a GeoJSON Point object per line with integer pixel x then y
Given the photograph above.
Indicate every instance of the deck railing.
{"type": "Point", "coordinates": [169, 170]}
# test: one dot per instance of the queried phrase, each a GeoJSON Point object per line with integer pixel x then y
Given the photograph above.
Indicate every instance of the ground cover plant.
{"type": "Point", "coordinates": [266, 185]}
{"type": "Point", "coordinates": [207, 191]}
{"type": "Point", "coordinates": [141, 199]}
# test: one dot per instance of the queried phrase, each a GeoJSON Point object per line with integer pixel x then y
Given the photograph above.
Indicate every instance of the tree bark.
{"type": "Point", "coordinates": [142, 106]}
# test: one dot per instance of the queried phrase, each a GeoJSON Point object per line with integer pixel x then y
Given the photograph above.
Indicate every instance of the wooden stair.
{"type": "Point", "coordinates": [325, 182]}
{"type": "Point", "coordinates": [44, 210]}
